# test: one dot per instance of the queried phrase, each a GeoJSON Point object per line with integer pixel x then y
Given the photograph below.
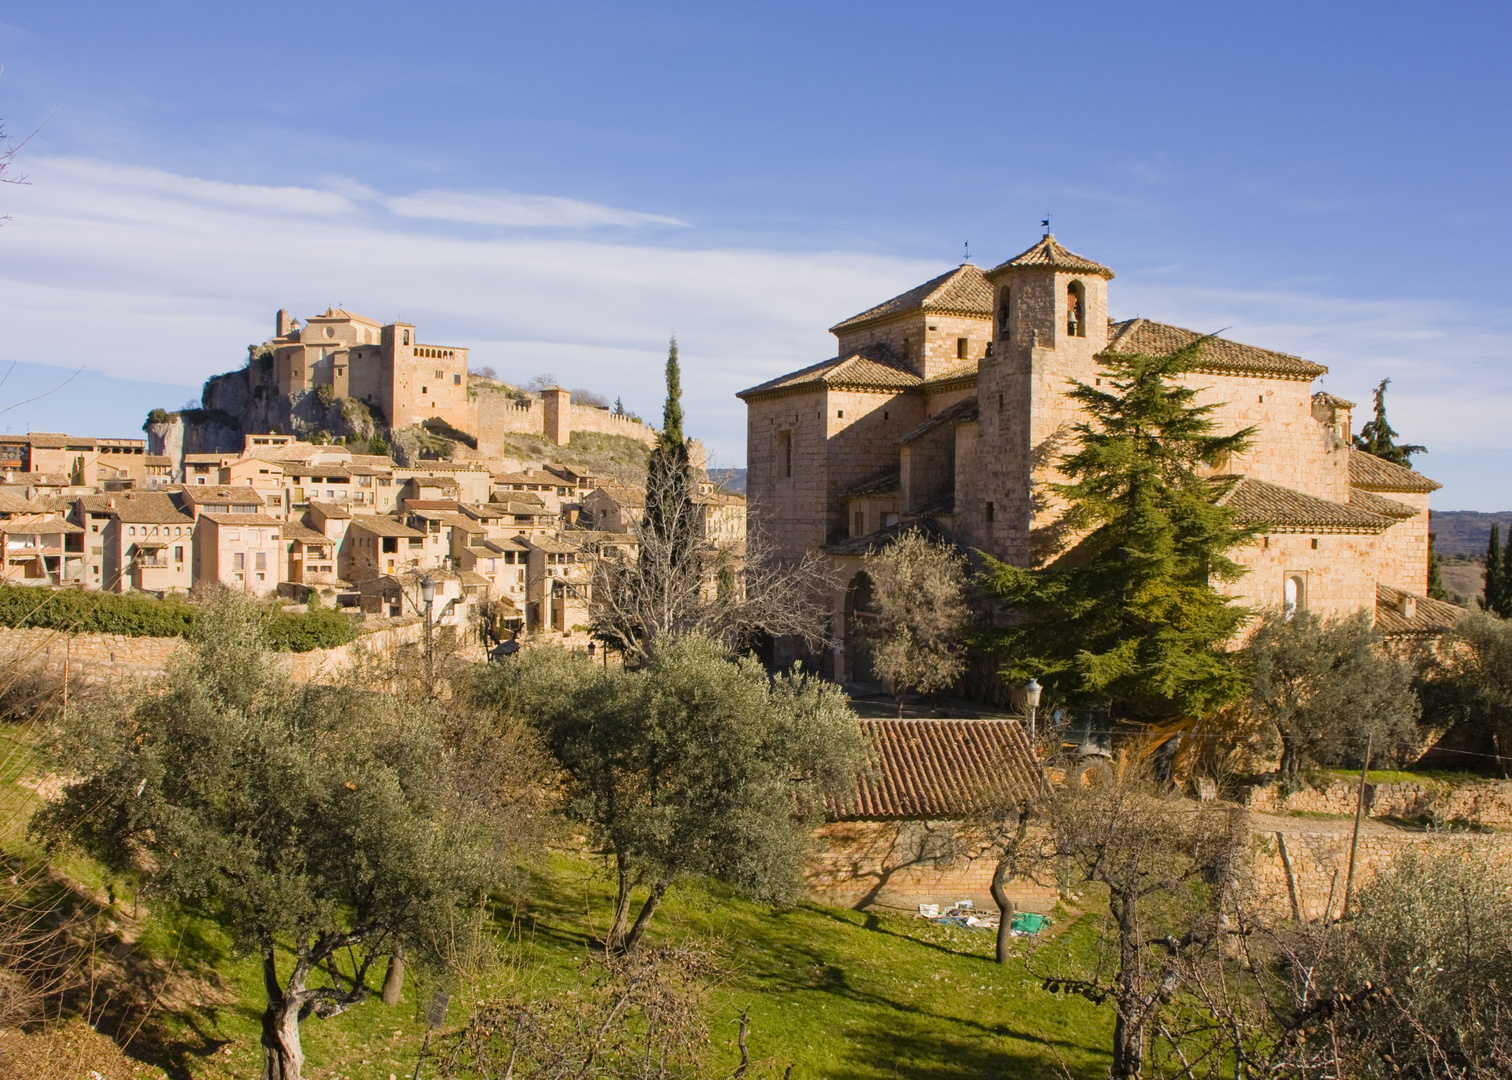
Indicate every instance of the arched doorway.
{"type": "Point", "coordinates": [858, 608]}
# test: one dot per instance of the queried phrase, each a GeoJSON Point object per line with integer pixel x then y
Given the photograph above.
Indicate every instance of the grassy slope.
{"type": "Point", "coordinates": [838, 993]}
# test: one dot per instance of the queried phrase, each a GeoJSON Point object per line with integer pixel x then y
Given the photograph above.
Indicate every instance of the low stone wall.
{"type": "Point", "coordinates": [604, 422]}
{"type": "Point", "coordinates": [1302, 872]}
{"type": "Point", "coordinates": [901, 864]}
{"type": "Point", "coordinates": [114, 657]}
{"type": "Point", "coordinates": [1477, 802]}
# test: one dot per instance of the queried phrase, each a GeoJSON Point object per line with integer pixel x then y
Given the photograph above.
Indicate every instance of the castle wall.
{"type": "Point", "coordinates": [430, 382]}
{"type": "Point", "coordinates": [793, 507]}
{"type": "Point", "coordinates": [604, 422]}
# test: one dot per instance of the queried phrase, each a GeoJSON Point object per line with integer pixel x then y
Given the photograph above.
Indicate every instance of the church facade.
{"type": "Point", "coordinates": [949, 405]}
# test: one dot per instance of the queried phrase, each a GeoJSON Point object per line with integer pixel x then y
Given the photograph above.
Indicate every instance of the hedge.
{"type": "Point", "coordinates": [140, 615]}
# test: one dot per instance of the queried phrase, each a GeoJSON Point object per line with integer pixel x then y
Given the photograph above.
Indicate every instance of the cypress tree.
{"type": "Point", "coordinates": [1491, 595]}
{"type": "Point", "coordinates": [1504, 597]}
{"type": "Point", "coordinates": [1379, 438]}
{"type": "Point", "coordinates": [670, 534]}
{"type": "Point", "coordinates": [1435, 576]}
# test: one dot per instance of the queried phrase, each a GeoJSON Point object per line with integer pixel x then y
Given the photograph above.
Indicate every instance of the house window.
{"type": "Point", "coordinates": [1076, 309]}
{"type": "Point", "coordinates": [131, 530]}
{"type": "Point", "coordinates": [238, 561]}
{"type": "Point", "coordinates": [178, 554]}
{"type": "Point", "coordinates": [962, 344]}
{"type": "Point", "coordinates": [440, 374]}
{"type": "Point", "coordinates": [1315, 543]}
{"type": "Point", "coordinates": [457, 379]}
{"type": "Point", "coordinates": [860, 526]}
{"type": "Point", "coordinates": [262, 562]}
{"type": "Point", "coordinates": [425, 389]}
{"type": "Point", "coordinates": [1003, 311]}
{"type": "Point", "coordinates": [840, 413]}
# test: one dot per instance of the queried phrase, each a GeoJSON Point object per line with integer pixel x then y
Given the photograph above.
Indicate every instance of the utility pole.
{"type": "Point", "coordinates": [1354, 843]}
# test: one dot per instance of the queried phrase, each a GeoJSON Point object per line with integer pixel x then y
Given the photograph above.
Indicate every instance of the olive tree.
{"type": "Point", "coordinates": [917, 626]}
{"type": "Point", "coordinates": [322, 825]}
{"type": "Point", "coordinates": [694, 765]}
{"type": "Point", "coordinates": [1327, 688]}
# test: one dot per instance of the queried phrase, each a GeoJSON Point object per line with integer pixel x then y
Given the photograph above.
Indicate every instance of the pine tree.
{"type": "Point", "coordinates": [619, 407]}
{"type": "Point", "coordinates": [1504, 596]}
{"type": "Point", "coordinates": [1377, 436]}
{"type": "Point", "coordinates": [1134, 616]}
{"type": "Point", "coordinates": [1491, 595]}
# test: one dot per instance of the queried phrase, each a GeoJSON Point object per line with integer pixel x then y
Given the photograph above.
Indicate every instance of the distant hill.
{"type": "Point", "coordinates": [734, 480]}
{"type": "Point", "coordinates": [1465, 532]}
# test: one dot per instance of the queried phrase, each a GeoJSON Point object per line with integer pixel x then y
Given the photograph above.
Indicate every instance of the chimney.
{"type": "Point", "coordinates": [1407, 605]}
{"type": "Point", "coordinates": [112, 504]}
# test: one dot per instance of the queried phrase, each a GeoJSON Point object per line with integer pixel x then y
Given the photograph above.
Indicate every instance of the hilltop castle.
{"type": "Point", "coordinates": [948, 404]}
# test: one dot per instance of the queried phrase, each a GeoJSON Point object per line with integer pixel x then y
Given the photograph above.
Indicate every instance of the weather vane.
{"type": "Point", "coordinates": [1046, 223]}
{"type": "Point", "coordinates": [967, 245]}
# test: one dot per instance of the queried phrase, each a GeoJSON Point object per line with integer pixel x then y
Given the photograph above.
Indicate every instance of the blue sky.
{"type": "Point", "coordinates": [561, 186]}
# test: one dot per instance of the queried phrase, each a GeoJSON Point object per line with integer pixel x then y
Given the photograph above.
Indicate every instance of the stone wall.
{"type": "Point", "coordinates": [117, 657]}
{"type": "Point", "coordinates": [497, 415]}
{"type": "Point", "coordinates": [902, 864]}
{"type": "Point", "coordinates": [1475, 803]}
{"type": "Point", "coordinates": [1313, 865]}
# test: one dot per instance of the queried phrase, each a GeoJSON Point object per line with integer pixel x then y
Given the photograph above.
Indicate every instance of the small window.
{"type": "Point", "coordinates": [1315, 543]}
{"type": "Point", "coordinates": [262, 562]}
{"type": "Point", "coordinates": [131, 530]}
{"type": "Point", "coordinates": [860, 526]}
{"type": "Point", "coordinates": [885, 414]}
{"type": "Point", "coordinates": [1076, 310]}
{"type": "Point", "coordinates": [178, 554]}
{"type": "Point", "coordinates": [1294, 594]}
{"type": "Point", "coordinates": [425, 389]}
{"type": "Point", "coordinates": [840, 413]}
{"type": "Point", "coordinates": [238, 560]}
{"type": "Point", "coordinates": [457, 379]}
{"type": "Point", "coordinates": [962, 345]}
{"type": "Point", "coordinates": [406, 337]}
{"type": "Point", "coordinates": [440, 374]}
{"type": "Point", "coordinates": [991, 512]}
{"type": "Point", "coordinates": [785, 451]}
{"type": "Point", "coordinates": [1003, 312]}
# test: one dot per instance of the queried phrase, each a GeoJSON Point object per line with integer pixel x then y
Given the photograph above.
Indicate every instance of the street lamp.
{"type": "Point", "coordinates": [428, 595]}
{"type": "Point", "coordinates": [1031, 702]}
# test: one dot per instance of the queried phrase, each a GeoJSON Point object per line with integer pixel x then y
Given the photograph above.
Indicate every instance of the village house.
{"type": "Point", "coordinates": [244, 551]}
{"type": "Point", "coordinates": [948, 405]}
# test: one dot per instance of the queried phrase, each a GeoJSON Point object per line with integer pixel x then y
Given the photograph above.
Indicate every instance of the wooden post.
{"type": "Point", "coordinates": [1354, 843]}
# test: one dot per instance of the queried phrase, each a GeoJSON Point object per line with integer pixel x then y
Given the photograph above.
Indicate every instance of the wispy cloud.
{"type": "Point", "coordinates": [519, 211]}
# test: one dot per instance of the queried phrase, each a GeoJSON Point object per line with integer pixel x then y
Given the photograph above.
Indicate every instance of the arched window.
{"type": "Point", "coordinates": [406, 337]}
{"type": "Point", "coordinates": [131, 530]}
{"type": "Point", "coordinates": [1004, 311]}
{"type": "Point", "coordinates": [1293, 595]}
{"type": "Point", "coordinates": [1076, 309]}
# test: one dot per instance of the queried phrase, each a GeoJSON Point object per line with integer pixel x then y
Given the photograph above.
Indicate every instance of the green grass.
{"type": "Point", "coordinates": [1440, 777]}
{"type": "Point", "coordinates": [837, 993]}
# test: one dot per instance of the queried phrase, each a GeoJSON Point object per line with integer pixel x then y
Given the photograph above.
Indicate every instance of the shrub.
{"type": "Point", "coordinates": [318, 628]}
{"type": "Point", "coordinates": [134, 614]}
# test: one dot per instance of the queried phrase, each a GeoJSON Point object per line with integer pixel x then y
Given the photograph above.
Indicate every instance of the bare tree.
{"type": "Point", "coordinates": [582, 396]}
{"type": "Point", "coordinates": [540, 382]}
{"type": "Point", "coordinates": [661, 590]}
{"type": "Point", "coordinates": [1167, 864]}
{"type": "Point", "coordinates": [917, 631]}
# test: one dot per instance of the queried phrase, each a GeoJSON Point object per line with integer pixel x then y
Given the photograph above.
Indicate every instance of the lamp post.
{"type": "Point", "coordinates": [1031, 702]}
{"type": "Point", "coordinates": [428, 595]}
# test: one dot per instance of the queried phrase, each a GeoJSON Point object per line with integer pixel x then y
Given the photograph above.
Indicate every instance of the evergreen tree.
{"type": "Point", "coordinates": [1491, 595]}
{"type": "Point", "coordinates": [619, 407]}
{"type": "Point", "coordinates": [671, 523]}
{"type": "Point", "coordinates": [1377, 436]}
{"type": "Point", "coordinates": [1436, 588]}
{"type": "Point", "coordinates": [1504, 597]}
{"type": "Point", "coordinates": [1134, 616]}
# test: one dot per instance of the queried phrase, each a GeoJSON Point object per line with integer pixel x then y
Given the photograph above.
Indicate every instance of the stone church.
{"type": "Point", "coordinates": [949, 405]}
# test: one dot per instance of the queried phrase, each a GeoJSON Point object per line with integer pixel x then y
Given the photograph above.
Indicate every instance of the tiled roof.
{"type": "Point", "coordinates": [11, 504]}
{"type": "Point", "coordinates": [940, 768]}
{"type": "Point", "coordinates": [39, 523]}
{"type": "Point", "coordinates": [625, 496]}
{"type": "Point", "coordinates": [204, 459]}
{"type": "Point", "coordinates": [1219, 355]}
{"type": "Point", "coordinates": [1376, 504]}
{"type": "Point", "coordinates": [158, 459]}
{"type": "Point", "coordinates": [882, 539]}
{"type": "Point", "coordinates": [295, 531]}
{"type": "Point", "coordinates": [333, 511]}
{"type": "Point", "coordinates": [554, 547]}
{"type": "Point", "coordinates": [876, 367]}
{"type": "Point", "coordinates": [1050, 255]}
{"type": "Point", "coordinates": [881, 483]}
{"type": "Point", "coordinates": [46, 440]}
{"type": "Point", "coordinates": [1377, 474]}
{"type": "Point", "coordinates": [962, 291]}
{"type": "Point", "coordinates": [384, 526]}
{"type": "Point", "coordinates": [1431, 616]}
{"type": "Point", "coordinates": [219, 494]}
{"type": "Point", "coordinates": [243, 519]}
{"type": "Point", "coordinates": [961, 411]}
{"type": "Point", "coordinates": [966, 369]}
{"type": "Point", "coordinates": [343, 313]}
{"type": "Point", "coordinates": [939, 506]}
{"type": "Point", "coordinates": [431, 504]}
{"type": "Point", "coordinates": [1329, 399]}
{"type": "Point", "coordinates": [1257, 502]}
{"type": "Point", "coordinates": [720, 498]}
{"type": "Point", "coordinates": [50, 504]}
{"type": "Point", "coordinates": [144, 507]}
